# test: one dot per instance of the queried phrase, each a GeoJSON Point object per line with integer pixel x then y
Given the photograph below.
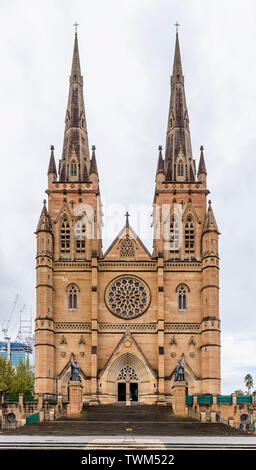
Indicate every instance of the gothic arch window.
{"type": "Point", "coordinates": [80, 237]}
{"type": "Point", "coordinates": [129, 372]}
{"type": "Point", "coordinates": [182, 291]}
{"type": "Point", "coordinates": [73, 168]}
{"type": "Point", "coordinates": [127, 248]}
{"type": "Point", "coordinates": [65, 236]}
{"type": "Point", "coordinates": [72, 291]}
{"type": "Point", "coordinates": [174, 235]}
{"type": "Point", "coordinates": [189, 236]}
{"type": "Point", "coordinates": [180, 168]}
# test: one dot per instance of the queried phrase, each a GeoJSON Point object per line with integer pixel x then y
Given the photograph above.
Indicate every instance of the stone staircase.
{"type": "Point", "coordinates": [114, 420]}
{"type": "Point", "coordinates": [127, 414]}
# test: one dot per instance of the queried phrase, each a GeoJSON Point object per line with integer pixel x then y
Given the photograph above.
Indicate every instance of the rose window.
{"type": "Point", "coordinates": [127, 372]}
{"type": "Point", "coordinates": [127, 297]}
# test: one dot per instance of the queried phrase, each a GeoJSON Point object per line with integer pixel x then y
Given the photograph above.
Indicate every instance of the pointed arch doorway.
{"type": "Point", "coordinates": [127, 384]}
{"type": "Point", "coordinates": [127, 378]}
{"type": "Point", "coordinates": [127, 375]}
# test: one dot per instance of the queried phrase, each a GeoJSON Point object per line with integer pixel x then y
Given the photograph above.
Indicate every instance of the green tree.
{"type": "Point", "coordinates": [7, 376]}
{"type": "Point", "coordinates": [248, 380]}
{"type": "Point", "coordinates": [12, 381]}
{"type": "Point", "coordinates": [239, 392]}
{"type": "Point", "coordinates": [24, 378]}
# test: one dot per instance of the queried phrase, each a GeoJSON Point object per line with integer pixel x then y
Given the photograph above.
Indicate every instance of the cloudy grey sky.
{"type": "Point", "coordinates": [126, 51]}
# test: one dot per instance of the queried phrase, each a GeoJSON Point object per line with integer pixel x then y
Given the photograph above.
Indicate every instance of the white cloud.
{"type": "Point", "coordinates": [238, 359]}
{"type": "Point", "coordinates": [126, 51]}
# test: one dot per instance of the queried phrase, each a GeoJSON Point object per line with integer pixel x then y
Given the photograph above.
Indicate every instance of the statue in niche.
{"type": "Point", "coordinates": [75, 371]}
{"type": "Point", "coordinates": [179, 372]}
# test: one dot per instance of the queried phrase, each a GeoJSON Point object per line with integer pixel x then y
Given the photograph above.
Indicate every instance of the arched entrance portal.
{"type": "Point", "coordinates": [127, 378]}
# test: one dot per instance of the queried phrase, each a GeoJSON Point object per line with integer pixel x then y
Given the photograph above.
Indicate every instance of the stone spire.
{"type": "Point", "coordinates": [93, 166]}
{"type": "Point", "coordinates": [75, 135]}
{"type": "Point", "coordinates": [177, 67]}
{"type": "Point", "coordinates": [44, 224]}
{"type": "Point", "coordinates": [210, 224]}
{"type": "Point", "coordinates": [178, 142]}
{"type": "Point", "coordinates": [160, 163]}
{"type": "Point", "coordinates": [52, 166]}
{"type": "Point", "coordinates": [201, 166]}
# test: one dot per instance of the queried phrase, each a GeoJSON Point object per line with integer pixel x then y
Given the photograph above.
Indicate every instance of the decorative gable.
{"type": "Point", "coordinates": [127, 246]}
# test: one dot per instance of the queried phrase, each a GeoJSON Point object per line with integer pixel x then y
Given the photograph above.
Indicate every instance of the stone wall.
{"type": "Point", "coordinates": [233, 410]}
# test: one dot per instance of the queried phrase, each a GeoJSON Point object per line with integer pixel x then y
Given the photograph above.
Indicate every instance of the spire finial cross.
{"type": "Point", "coordinates": [127, 220]}
{"type": "Point", "coordinates": [177, 26]}
{"type": "Point", "coordinates": [76, 25]}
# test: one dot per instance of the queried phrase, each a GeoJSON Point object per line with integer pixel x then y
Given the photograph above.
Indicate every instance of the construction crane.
{"type": "Point", "coordinates": [5, 328]}
{"type": "Point", "coordinates": [23, 328]}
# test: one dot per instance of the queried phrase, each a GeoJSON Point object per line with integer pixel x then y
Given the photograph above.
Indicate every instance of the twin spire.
{"type": "Point", "coordinates": [178, 162]}
{"type": "Point", "coordinates": [75, 164]}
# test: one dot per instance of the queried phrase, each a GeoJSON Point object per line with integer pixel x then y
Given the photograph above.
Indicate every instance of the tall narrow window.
{"type": "Point", "coordinates": [182, 298]}
{"type": "Point", "coordinates": [180, 169]}
{"type": "Point", "coordinates": [72, 303]}
{"type": "Point", "coordinates": [73, 168]}
{"type": "Point", "coordinates": [189, 236]}
{"type": "Point", "coordinates": [174, 235]}
{"type": "Point", "coordinates": [65, 237]}
{"type": "Point", "coordinates": [80, 237]}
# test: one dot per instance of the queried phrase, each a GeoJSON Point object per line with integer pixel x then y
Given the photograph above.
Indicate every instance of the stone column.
{"type": "Point", "coordinates": [179, 398]}
{"type": "Point", "coordinates": [21, 406]}
{"type": "Point", "coordinates": [160, 331]}
{"type": "Point", "coordinates": [75, 398]}
{"type": "Point", "coordinates": [231, 422]}
{"type": "Point", "coordinates": [234, 399]}
{"type": "Point", "coordinates": [194, 402]}
{"type": "Point", "coordinates": [51, 414]}
{"type": "Point", "coordinates": [21, 399]}
{"type": "Point", "coordinates": [128, 400]}
{"type": "Point", "coordinates": [40, 401]}
{"type": "Point", "coordinates": [214, 401]}
{"type": "Point", "coordinates": [59, 403]}
{"type": "Point", "coordinates": [94, 332]}
{"type": "Point", "coordinates": [213, 416]}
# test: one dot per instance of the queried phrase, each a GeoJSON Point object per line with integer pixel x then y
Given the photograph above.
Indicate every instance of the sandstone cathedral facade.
{"type": "Point", "coordinates": [127, 316]}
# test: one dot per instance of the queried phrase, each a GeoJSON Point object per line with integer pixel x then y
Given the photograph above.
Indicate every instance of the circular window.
{"type": "Point", "coordinates": [11, 417]}
{"type": "Point", "coordinates": [244, 417]}
{"type": "Point", "coordinates": [127, 297]}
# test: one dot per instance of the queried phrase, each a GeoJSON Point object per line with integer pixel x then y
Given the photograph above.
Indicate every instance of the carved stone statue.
{"type": "Point", "coordinates": [75, 371]}
{"type": "Point", "coordinates": [179, 372]}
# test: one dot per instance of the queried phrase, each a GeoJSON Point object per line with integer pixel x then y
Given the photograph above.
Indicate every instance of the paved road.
{"type": "Point", "coordinates": [117, 442]}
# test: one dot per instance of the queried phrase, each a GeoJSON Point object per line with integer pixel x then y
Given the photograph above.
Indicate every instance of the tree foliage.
{"type": "Point", "coordinates": [248, 380]}
{"type": "Point", "coordinates": [14, 381]}
{"type": "Point", "coordinates": [7, 375]}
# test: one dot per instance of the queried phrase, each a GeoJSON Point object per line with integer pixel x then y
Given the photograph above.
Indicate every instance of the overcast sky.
{"type": "Point", "coordinates": [126, 52]}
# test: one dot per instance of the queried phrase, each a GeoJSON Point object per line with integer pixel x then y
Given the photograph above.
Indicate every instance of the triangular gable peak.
{"type": "Point", "coordinates": [64, 211]}
{"type": "Point", "coordinates": [190, 211]}
{"type": "Point", "coordinates": [127, 246]}
{"type": "Point", "coordinates": [127, 352]}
